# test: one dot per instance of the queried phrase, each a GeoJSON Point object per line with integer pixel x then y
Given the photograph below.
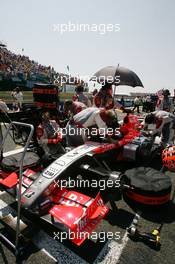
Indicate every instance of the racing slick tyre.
{"type": "Point", "coordinates": [148, 188]}
{"type": "Point", "coordinates": [12, 163]}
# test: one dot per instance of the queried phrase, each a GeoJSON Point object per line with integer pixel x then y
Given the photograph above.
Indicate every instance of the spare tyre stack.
{"type": "Point", "coordinates": [45, 95]}
{"type": "Point", "coordinates": [148, 188]}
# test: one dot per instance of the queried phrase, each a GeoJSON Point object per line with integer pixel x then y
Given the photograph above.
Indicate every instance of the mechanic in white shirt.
{"type": "Point", "coordinates": [165, 125]}
{"type": "Point", "coordinates": [18, 95]}
{"type": "Point", "coordinates": [80, 126]}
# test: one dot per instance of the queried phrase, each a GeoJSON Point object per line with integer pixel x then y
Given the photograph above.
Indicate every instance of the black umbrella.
{"type": "Point", "coordinates": [117, 75]}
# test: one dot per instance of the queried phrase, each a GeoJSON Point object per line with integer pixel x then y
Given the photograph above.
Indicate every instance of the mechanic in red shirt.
{"type": "Point", "coordinates": [104, 94]}
{"type": "Point", "coordinates": [48, 135]}
{"type": "Point", "coordinates": [105, 99]}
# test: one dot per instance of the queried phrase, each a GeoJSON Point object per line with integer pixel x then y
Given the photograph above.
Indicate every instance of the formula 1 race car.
{"type": "Point", "coordinates": [66, 208]}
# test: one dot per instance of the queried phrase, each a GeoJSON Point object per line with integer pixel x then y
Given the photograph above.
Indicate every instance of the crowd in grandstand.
{"type": "Point", "coordinates": [20, 66]}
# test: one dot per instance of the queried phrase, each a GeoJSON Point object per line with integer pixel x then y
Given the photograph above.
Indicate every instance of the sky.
{"type": "Point", "coordinates": [144, 41]}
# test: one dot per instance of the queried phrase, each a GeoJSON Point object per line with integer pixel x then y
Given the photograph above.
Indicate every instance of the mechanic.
{"type": "Point", "coordinates": [48, 136]}
{"type": "Point", "coordinates": [72, 108]}
{"type": "Point", "coordinates": [104, 94]}
{"type": "Point", "coordinates": [105, 99]}
{"type": "Point", "coordinates": [81, 97]}
{"type": "Point", "coordinates": [166, 103]}
{"type": "Point", "coordinates": [165, 125]}
{"type": "Point", "coordinates": [80, 127]}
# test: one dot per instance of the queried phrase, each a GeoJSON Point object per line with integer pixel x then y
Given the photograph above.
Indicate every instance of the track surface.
{"type": "Point", "coordinates": [122, 250]}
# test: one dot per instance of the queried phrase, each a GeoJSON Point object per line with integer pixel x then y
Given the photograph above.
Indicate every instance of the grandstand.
{"type": "Point", "coordinates": [21, 70]}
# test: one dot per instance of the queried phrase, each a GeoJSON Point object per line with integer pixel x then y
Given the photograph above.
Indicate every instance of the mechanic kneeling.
{"type": "Point", "coordinates": [48, 136]}
{"type": "Point", "coordinates": [165, 125]}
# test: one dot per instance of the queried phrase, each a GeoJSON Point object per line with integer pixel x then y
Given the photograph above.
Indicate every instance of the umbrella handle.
{"type": "Point", "coordinates": [114, 92]}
